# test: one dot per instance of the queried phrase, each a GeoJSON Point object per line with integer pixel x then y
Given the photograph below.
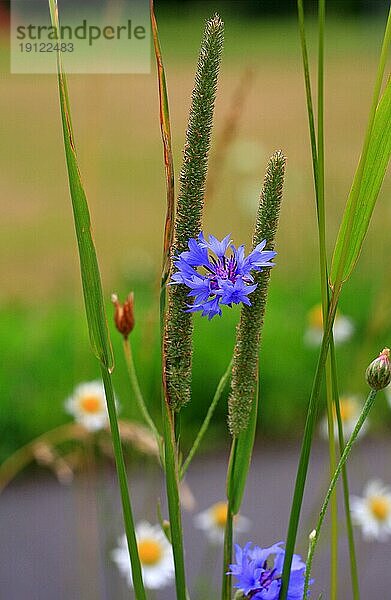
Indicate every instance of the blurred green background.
{"type": "Point", "coordinates": [43, 335]}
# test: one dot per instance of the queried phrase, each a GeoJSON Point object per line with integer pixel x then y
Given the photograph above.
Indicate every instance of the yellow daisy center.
{"type": "Point", "coordinates": [348, 408]}
{"type": "Point", "coordinates": [380, 507]}
{"type": "Point", "coordinates": [90, 404]}
{"type": "Point", "coordinates": [315, 317]}
{"type": "Point", "coordinates": [219, 513]}
{"type": "Point", "coordinates": [150, 551]}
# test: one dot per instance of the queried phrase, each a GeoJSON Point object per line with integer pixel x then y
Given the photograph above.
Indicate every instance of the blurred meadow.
{"type": "Point", "coordinates": [43, 332]}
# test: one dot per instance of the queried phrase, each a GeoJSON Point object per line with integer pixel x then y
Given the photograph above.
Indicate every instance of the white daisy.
{"type": "Point", "coordinates": [343, 327]}
{"type": "Point", "coordinates": [156, 558]}
{"type": "Point", "coordinates": [373, 511]}
{"type": "Point", "coordinates": [88, 405]}
{"type": "Point", "coordinates": [213, 520]}
{"type": "Point", "coordinates": [350, 408]}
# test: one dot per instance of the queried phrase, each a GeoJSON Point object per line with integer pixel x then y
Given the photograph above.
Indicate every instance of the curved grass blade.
{"type": "Point", "coordinates": [368, 177]}
{"type": "Point", "coordinates": [96, 316]}
{"type": "Point", "coordinates": [90, 275]}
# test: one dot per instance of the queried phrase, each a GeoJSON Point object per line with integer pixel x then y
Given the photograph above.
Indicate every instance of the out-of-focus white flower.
{"type": "Point", "coordinates": [88, 405]}
{"type": "Point", "coordinates": [350, 409]}
{"type": "Point", "coordinates": [213, 520]}
{"type": "Point", "coordinates": [343, 327]}
{"type": "Point", "coordinates": [373, 511]}
{"type": "Point", "coordinates": [156, 558]}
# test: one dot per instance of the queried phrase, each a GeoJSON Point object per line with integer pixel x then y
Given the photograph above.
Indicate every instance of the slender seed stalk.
{"type": "Point", "coordinates": [204, 427]}
{"type": "Point", "coordinates": [320, 183]}
{"type": "Point", "coordinates": [345, 455]}
{"type": "Point", "coordinates": [124, 489]}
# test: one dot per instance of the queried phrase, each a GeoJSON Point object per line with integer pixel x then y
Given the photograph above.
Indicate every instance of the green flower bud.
{"type": "Point", "coordinates": [378, 374]}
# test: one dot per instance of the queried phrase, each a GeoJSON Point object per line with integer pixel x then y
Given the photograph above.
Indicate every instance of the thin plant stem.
{"type": "Point", "coordinates": [331, 380]}
{"type": "Point", "coordinates": [332, 467]}
{"type": "Point", "coordinates": [307, 80]}
{"type": "Point", "coordinates": [345, 455]}
{"type": "Point", "coordinates": [302, 469]}
{"type": "Point", "coordinates": [325, 299]}
{"type": "Point", "coordinates": [138, 394]}
{"type": "Point", "coordinates": [219, 390]}
{"type": "Point", "coordinates": [345, 482]}
{"type": "Point", "coordinates": [174, 510]}
{"type": "Point", "coordinates": [228, 533]}
{"type": "Point", "coordinates": [124, 489]}
{"type": "Point", "coordinates": [228, 542]}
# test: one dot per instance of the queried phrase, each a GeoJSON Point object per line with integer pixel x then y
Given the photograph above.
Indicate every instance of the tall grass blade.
{"type": "Point", "coordinates": [93, 299]}
{"type": "Point", "coordinates": [90, 275]}
{"type": "Point", "coordinates": [364, 192]}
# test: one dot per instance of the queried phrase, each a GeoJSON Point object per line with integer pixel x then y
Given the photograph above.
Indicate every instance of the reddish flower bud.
{"type": "Point", "coordinates": [124, 314]}
{"type": "Point", "coordinates": [378, 374]}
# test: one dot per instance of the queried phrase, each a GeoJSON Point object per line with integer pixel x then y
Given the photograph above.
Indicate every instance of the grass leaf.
{"type": "Point", "coordinates": [240, 460]}
{"type": "Point", "coordinates": [364, 192]}
{"type": "Point", "coordinates": [90, 275]}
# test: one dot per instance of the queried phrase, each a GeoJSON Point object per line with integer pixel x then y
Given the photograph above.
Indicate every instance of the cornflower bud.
{"type": "Point", "coordinates": [378, 374]}
{"type": "Point", "coordinates": [124, 314]}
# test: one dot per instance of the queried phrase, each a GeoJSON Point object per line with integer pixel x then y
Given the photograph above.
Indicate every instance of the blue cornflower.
{"type": "Point", "coordinates": [258, 572]}
{"type": "Point", "coordinates": [219, 273]}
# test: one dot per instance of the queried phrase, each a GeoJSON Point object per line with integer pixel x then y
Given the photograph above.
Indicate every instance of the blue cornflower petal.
{"type": "Point", "coordinates": [211, 308]}
{"type": "Point", "coordinates": [219, 248]}
{"type": "Point", "coordinates": [217, 273]}
{"type": "Point", "coordinates": [234, 293]}
{"type": "Point", "coordinates": [199, 288]}
{"type": "Point", "coordinates": [184, 273]}
{"type": "Point", "coordinates": [258, 572]}
{"type": "Point", "coordinates": [197, 255]}
{"type": "Point", "coordinates": [259, 258]}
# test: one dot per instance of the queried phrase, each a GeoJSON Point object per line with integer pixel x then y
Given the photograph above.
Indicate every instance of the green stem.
{"type": "Point", "coordinates": [332, 467]}
{"type": "Point", "coordinates": [174, 510]}
{"type": "Point", "coordinates": [325, 298]}
{"type": "Point", "coordinates": [228, 533]}
{"type": "Point", "coordinates": [305, 451]}
{"type": "Point", "coordinates": [219, 390]}
{"type": "Point", "coordinates": [123, 484]}
{"type": "Point", "coordinates": [228, 540]}
{"type": "Point", "coordinates": [139, 396]}
{"type": "Point", "coordinates": [345, 455]}
{"type": "Point", "coordinates": [307, 79]}
{"type": "Point", "coordinates": [345, 482]}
